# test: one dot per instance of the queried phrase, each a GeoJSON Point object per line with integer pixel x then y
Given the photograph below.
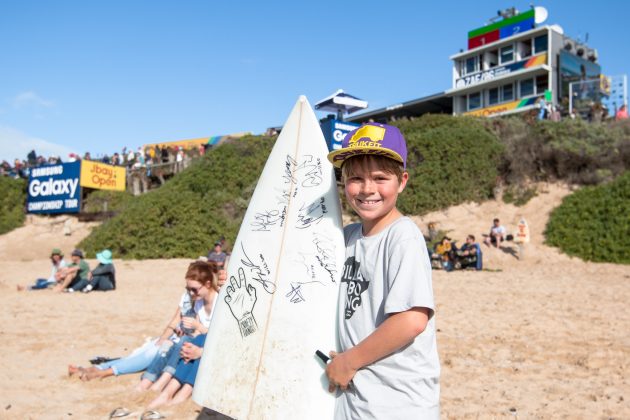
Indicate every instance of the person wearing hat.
{"type": "Point", "coordinates": [74, 273]}
{"type": "Point", "coordinates": [58, 264]}
{"type": "Point", "coordinates": [217, 255]}
{"type": "Point", "coordinates": [388, 361]}
{"type": "Point", "coordinates": [103, 277]}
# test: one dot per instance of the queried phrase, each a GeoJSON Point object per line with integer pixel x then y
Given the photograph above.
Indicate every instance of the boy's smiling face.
{"type": "Point", "coordinates": [372, 192]}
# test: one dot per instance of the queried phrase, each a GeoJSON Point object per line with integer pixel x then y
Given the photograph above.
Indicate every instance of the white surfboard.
{"type": "Point", "coordinates": [279, 305]}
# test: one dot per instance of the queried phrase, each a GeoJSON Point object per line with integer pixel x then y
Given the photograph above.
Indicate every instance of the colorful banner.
{"type": "Point", "coordinates": [502, 29]}
{"type": "Point", "coordinates": [483, 76]}
{"type": "Point", "coordinates": [499, 109]}
{"type": "Point", "coordinates": [334, 132]}
{"type": "Point", "coordinates": [103, 177]}
{"type": "Point", "coordinates": [54, 189]}
{"type": "Point", "coordinates": [503, 23]}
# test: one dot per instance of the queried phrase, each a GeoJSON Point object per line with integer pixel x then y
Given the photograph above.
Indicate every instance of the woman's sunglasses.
{"type": "Point", "coordinates": [193, 290]}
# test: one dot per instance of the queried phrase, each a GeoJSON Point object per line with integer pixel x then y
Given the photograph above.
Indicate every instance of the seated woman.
{"type": "Point", "coordinates": [58, 264]}
{"type": "Point", "coordinates": [140, 358]}
{"type": "Point", "coordinates": [444, 254]}
{"type": "Point", "coordinates": [103, 277]}
{"type": "Point", "coordinates": [163, 367]}
{"type": "Point", "coordinates": [180, 386]}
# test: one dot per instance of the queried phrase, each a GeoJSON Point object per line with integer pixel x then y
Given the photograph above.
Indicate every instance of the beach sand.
{"type": "Point", "coordinates": [542, 336]}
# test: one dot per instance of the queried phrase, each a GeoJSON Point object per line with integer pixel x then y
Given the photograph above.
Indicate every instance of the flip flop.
{"type": "Point", "coordinates": [119, 412]}
{"type": "Point", "coordinates": [151, 415]}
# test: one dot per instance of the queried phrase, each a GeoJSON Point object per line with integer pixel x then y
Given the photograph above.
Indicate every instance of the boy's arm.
{"type": "Point", "coordinates": [395, 332]}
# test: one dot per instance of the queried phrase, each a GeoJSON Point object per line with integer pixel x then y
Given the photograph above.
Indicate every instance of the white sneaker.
{"type": "Point", "coordinates": [87, 288]}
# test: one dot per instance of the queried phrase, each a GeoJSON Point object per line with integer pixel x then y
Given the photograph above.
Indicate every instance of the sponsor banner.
{"type": "Point", "coordinates": [502, 24]}
{"type": "Point", "coordinates": [102, 177]}
{"type": "Point", "coordinates": [334, 132]}
{"type": "Point", "coordinates": [501, 108]}
{"type": "Point", "coordinates": [484, 76]}
{"type": "Point", "coordinates": [54, 189]}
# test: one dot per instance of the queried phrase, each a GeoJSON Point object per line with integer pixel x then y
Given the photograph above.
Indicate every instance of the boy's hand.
{"type": "Point", "coordinates": [339, 371]}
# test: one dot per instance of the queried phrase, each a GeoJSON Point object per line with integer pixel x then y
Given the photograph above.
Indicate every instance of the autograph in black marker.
{"type": "Point", "coordinates": [259, 272]}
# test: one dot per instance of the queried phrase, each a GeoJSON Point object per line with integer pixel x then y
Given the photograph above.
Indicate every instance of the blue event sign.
{"type": "Point", "coordinates": [54, 189]}
{"type": "Point", "coordinates": [334, 132]}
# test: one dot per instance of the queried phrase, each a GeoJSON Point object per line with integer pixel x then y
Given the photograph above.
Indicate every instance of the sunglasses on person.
{"type": "Point", "coordinates": [193, 290]}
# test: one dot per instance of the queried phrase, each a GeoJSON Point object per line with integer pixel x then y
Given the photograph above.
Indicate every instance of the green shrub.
{"type": "Point", "coordinates": [571, 150]}
{"type": "Point", "coordinates": [12, 203]}
{"type": "Point", "coordinates": [450, 160]}
{"type": "Point", "coordinates": [103, 200]}
{"type": "Point", "coordinates": [184, 217]}
{"type": "Point", "coordinates": [594, 222]}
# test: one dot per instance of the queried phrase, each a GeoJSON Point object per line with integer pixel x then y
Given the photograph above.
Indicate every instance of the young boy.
{"type": "Point", "coordinates": [389, 366]}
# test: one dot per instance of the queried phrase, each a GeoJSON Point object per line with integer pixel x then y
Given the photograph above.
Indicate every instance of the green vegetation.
{"type": "Point", "coordinates": [594, 222]}
{"type": "Point", "coordinates": [186, 215]}
{"type": "Point", "coordinates": [571, 150]}
{"type": "Point", "coordinates": [450, 161]}
{"type": "Point", "coordinates": [12, 202]}
{"type": "Point", "coordinates": [106, 201]}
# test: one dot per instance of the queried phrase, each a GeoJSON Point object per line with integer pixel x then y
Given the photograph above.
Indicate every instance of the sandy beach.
{"type": "Point", "coordinates": [542, 336]}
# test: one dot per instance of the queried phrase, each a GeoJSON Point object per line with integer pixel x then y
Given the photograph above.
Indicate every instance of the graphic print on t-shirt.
{"type": "Point", "coordinates": [356, 285]}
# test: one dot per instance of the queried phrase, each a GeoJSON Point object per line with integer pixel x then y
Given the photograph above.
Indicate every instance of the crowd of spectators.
{"type": "Point", "coordinates": [131, 159]}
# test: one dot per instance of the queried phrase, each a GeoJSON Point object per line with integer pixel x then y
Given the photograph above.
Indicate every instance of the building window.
{"type": "Point", "coordinates": [525, 48]}
{"type": "Point", "coordinates": [507, 54]}
{"type": "Point", "coordinates": [492, 59]}
{"type": "Point", "coordinates": [474, 101]}
{"type": "Point", "coordinates": [542, 84]}
{"type": "Point", "coordinates": [471, 65]}
{"type": "Point", "coordinates": [527, 87]}
{"type": "Point", "coordinates": [493, 96]}
{"type": "Point", "coordinates": [540, 44]}
{"type": "Point", "coordinates": [507, 93]}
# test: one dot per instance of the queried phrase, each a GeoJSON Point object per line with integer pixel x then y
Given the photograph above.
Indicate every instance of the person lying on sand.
{"type": "Point", "coordinates": [142, 357]}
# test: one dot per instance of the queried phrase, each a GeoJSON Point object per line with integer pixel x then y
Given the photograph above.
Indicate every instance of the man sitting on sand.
{"type": "Point", "coordinates": [103, 277]}
{"type": "Point", "coordinates": [217, 255]}
{"type": "Point", "coordinates": [496, 235]}
{"type": "Point", "coordinates": [73, 273]}
{"type": "Point", "coordinates": [58, 264]}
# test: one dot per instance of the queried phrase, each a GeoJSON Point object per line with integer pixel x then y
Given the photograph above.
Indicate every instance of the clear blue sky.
{"type": "Point", "coordinates": [99, 75]}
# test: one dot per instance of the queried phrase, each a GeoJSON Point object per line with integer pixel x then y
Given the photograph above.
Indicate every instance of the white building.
{"type": "Point", "coordinates": [512, 63]}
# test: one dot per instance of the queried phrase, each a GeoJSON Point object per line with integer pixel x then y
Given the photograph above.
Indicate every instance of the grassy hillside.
{"type": "Point", "coordinates": [186, 215]}
{"type": "Point", "coordinates": [594, 222]}
{"type": "Point", "coordinates": [12, 203]}
{"type": "Point", "coordinates": [449, 160]}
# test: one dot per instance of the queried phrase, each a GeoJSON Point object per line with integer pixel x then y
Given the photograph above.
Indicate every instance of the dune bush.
{"type": "Point", "coordinates": [12, 203]}
{"type": "Point", "coordinates": [593, 223]}
{"type": "Point", "coordinates": [450, 160]}
{"type": "Point", "coordinates": [185, 216]}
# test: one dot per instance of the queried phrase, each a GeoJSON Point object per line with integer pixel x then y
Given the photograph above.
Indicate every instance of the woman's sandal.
{"type": "Point", "coordinates": [151, 415]}
{"type": "Point", "coordinates": [119, 412]}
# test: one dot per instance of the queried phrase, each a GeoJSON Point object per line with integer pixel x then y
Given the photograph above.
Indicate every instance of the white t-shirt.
{"type": "Point", "coordinates": [186, 303]}
{"type": "Point", "coordinates": [387, 273]}
{"type": "Point", "coordinates": [55, 269]}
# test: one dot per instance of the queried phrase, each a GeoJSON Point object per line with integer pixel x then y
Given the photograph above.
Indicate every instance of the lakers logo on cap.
{"type": "Point", "coordinates": [371, 135]}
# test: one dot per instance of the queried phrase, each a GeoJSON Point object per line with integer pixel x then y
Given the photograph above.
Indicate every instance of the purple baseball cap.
{"type": "Point", "coordinates": [371, 139]}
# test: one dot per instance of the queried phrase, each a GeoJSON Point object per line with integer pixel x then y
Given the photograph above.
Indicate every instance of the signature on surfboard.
{"type": "Point", "coordinates": [260, 272]}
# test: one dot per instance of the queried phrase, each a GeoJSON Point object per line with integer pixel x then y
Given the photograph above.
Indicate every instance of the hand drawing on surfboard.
{"type": "Point", "coordinates": [241, 298]}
